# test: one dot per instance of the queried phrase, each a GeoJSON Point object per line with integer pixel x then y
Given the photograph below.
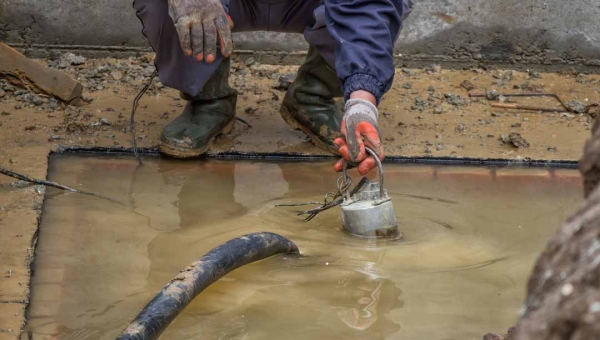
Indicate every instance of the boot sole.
{"type": "Point", "coordinates": [297, 125]}
{"type": "Point", "coordinates": [182, 152]}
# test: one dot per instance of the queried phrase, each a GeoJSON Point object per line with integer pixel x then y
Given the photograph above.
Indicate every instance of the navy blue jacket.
{"type": "Point", "coordinates": [365, 32]}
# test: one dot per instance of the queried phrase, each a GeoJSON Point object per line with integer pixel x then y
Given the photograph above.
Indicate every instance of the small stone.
{"type": "Point", "coordinates": [250, 61]}
{"type": "Point", "coordinates": [116, 75]}
{"type": "Point", "coordinates": [104, 121]}
{"type": "Point", "coordinates": [408, 72]}
{"type": "Point", "coordinates": [552, 148]}
{"type": "Point", "coordinates": [110, 135]}
{"type": "Point", "coordinates": [567, 289]}
{"type": "Point", "coordinates": [431, 89]}
{"type": "Point", "coordinates": [516, 125]}
{"type": "Point", "coordinates": [420, 104]}
{"type": "Point", "coordinates": [433, 68]}
{"type": "Point", "coordinates": [52, 103]}
{"type": "Point", "coordinates": [491, 336]}
{"type": "Point", "coordinates": [285, 81]}
{"type": "Point", "coordinates": [455, 99]}
{"type": "Point", "coordinates": [439, 147]}
{"type": "Point", "coordinates": [30, 128]}
{"type": "Point", "coordinates": [250, 110]}
{"type": "Point", "coordinates": [534, 75]}
{"type": "Point", "coordinates": [73, 59]}
{"type": "Point", "coordinates": [461, 128]}
{"type": "Point", "coordinates": [407, 86]}
{"type": "Point", "coordinates": [390, 138]}
{"type": "Point", "coordinates": [12, 161]}
{"type": "Point", "coordinates": [438, 110]}
{"type": "Point", "coordinates": [502, 99]}
{"type": "Point", "coordinates": [36, 100]}
{"type": "Point", "coordinates": [427, 150]}
{"type": "Point", "coordinates": [492, 95]}
{"type": "Point", "coordinates": [55, 137]}
{"type": "Point", "coordinates": [467, 85]}
{"type": "Point", "coordinates": [515, 139]}
{"type": "Point", "coordinates": [577, 106]}
{"type": "Point", "coordinates": [2, 93]}
{"type": "Point", "coordinates": [4, 113]}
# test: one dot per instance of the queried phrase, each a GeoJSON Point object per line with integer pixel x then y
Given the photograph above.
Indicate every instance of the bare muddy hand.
{"type": "Point", "coordinates": [199, 23]}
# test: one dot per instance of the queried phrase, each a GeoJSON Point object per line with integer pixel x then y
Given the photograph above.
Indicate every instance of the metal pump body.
{"type": "Point", "coordinates": [370, 212]}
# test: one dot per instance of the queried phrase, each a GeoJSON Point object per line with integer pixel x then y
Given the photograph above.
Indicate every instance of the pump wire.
{"type": "Point", "coordinates": [134, 107]}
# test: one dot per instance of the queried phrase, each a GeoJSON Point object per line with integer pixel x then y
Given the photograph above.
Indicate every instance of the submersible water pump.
{"type": "Point", "coordinates": [370, 212]}
{"type": "Point", "coordinates": [367, 210]}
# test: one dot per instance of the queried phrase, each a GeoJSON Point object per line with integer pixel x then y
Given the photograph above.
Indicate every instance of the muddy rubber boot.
{"type": "Point", "coordinates": [309, 103]}
{"type": "Point", "coordinates": [206, 116]}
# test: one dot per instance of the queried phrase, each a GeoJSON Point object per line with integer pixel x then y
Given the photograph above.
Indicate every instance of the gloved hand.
{"type": "Point", "coordinates": [199, 23]}
{"type": "Point", "coordinates": [359, 127]}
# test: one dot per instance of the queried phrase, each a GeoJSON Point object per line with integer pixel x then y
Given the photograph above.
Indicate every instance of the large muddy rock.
{"type": "Point", "coordinates": [563, 295]}
{"type": "Point", "coordinates": [589, 165]}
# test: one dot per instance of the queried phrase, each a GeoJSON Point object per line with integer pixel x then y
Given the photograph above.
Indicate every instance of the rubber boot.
{"type": "Point", "coordinates": [309, 103]}
{"type": "Point", "coordinates": [206, 116]}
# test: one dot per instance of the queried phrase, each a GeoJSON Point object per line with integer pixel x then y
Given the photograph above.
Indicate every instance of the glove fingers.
{"type": "Point", "coordinates": [185, 40]}
{"type": "Point", "coordinates": [339, 165]}
{"type": "Point", "coordinates": [210, 41]}
{"type": "Point", "coordinates": [345, 153]}
{"type": "Point", "coordinates": [367, 165]}
{"type": "Point", "coordinates": [224, 36]}
{"type": "Point", "coordinates": [374, 143]}
{"type": "Point", "coordinates": [198, 41]}
{"type": "Point", "coordinates": [339, 142]}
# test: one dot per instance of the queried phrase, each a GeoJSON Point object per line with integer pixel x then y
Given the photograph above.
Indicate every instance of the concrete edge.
{"type": "Point", "coordinates": [297, 57]}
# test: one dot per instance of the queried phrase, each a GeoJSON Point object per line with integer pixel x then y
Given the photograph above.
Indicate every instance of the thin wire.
{"type": "Point", "coordinates": [136, 102]}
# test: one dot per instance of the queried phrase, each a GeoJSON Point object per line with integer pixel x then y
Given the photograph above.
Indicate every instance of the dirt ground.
{"type": "Point", "coordinates": [426, 113]}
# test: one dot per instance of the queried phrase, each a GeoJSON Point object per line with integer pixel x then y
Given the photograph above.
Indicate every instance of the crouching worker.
{"type": "Point", "coordinates": [350, 55]}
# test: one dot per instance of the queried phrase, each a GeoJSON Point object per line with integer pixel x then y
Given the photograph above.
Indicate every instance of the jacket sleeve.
{"type": "Point", "coordinates": [364, 32]}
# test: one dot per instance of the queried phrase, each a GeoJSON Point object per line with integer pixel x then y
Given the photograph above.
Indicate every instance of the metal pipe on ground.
{"type": "Point", "coordinates": [158, 314]}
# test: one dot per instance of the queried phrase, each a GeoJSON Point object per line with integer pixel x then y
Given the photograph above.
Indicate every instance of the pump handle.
{"type": "Point", "coordinates": [379, 168]}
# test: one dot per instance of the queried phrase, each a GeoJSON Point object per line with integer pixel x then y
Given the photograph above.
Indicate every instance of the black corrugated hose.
{"type": "Point", "coordinates": [180, 291]}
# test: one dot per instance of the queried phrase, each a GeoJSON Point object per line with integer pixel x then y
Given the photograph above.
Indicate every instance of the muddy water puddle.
{"type": "Point", "coordinates": [471, 236]}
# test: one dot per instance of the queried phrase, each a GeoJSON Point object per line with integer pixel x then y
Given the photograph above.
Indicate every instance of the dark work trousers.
{"type": "Point", "coordinates": [189, 76]}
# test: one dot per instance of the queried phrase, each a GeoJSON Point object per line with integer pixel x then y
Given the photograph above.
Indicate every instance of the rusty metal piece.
{"type": "Point", "coordinates": [525, 107]}
{"type": "Point", "coordinates": [508, 95]}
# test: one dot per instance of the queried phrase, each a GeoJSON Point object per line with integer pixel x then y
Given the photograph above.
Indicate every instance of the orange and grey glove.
{"type": "Point", "coordinates": [199, 23]}
{"type": "Point", "coordinates": [359, 127]}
